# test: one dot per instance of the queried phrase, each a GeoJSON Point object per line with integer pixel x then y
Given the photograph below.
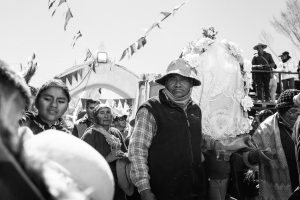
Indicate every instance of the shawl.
{"type": "Point", "coordinates": [274, 177]}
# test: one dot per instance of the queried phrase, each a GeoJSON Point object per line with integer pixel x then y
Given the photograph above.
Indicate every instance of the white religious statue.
{"type": "Point", "coordinates": [223, 97]}
{"type": "Point", "coordinates": [225, 82]}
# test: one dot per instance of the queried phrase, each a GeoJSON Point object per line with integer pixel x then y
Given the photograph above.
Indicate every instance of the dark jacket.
{"type": "Point", "coordinates": [174, 159]}
{"type": "Point", "coordinates": [35, 123]}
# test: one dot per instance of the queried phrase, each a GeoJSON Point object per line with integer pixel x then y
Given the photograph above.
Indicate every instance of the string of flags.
{"type": "Point", "coordinates": [141, 42]}
{"type": "Point", "coordinates": [53, 6]}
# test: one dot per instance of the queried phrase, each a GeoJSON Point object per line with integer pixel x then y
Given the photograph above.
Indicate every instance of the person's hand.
{"type": "Point", "coordinates": [112, 156]}
{"type": "Point", "coordinates": [147, 195]}
{"type": "Point", "coordinates": [237, 144]}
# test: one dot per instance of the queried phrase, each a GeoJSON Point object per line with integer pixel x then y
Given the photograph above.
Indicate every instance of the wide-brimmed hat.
{"type": "Point", "coordinates": [123, 174]}
{"type": "Point", "coordinates": [285, 53]}
{"type": "Point", "coordinates": [263, 46]}
{"type": "Point", "coordinates": [75, 156]}
{"type": "Point", "coordinates": [180, 67]}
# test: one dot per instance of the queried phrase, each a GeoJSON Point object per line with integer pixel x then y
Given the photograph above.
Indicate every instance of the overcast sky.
{"type": "Point", "coordinates": [27, 26]}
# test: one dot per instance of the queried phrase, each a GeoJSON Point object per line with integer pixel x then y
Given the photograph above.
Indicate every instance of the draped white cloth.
{"type": "Point", "coordinates": [221, 92]}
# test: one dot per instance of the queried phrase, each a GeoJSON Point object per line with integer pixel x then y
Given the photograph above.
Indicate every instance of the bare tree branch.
{"type": "Point", "coordinates": [288, 23]}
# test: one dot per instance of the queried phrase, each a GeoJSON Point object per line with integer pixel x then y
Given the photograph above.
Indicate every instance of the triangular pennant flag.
{"type": "Point", "coordinates": [122, 102]}
{"type": "Point", "coordinates": [102, 101]}
{"type": "Point", "coordinates": [64, 78]}
{"type": "Point", "coordinates": [133, 48]}
{"type": "Point", "coordinates": [61, 2]}
{"type": "Point", "coordinates": [94, 66]}
{"type": "Point", "coordinates": [68, 17]}
{"type": "Point", "coordinates": [166, 14]}
{"type": "Point", "coordinates": [51, 4]}
{"type": "Point", "coordinates": [88, 54]}
{"type": "Point", "coordinates": [69, 77]}
{"type": "Point", "coordinates": [75, 74]}
{"type": "Point", "coordinates": [53, 12]}
{"type": "Point", "coordinates": [129, 102]}
{"type": "Point", "coordinates": [75, 38]}
{"type": "Point", "coordinates": [125, 52]}
{"type": "Point", "coordinates": [141, 42]}
{"type": "Point", "coordinates": [177, 8]}
{"type": "Point", "coordinates": [80, 73]}
{"type": "Point", "coordinates": [156, 24]}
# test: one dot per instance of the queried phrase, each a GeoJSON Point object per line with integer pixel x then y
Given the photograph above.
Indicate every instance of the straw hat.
{"type": "Point", "coordinates": [263, 46]}
{"type": "Point", "coordinates": [87, 167]}
{"type": "Point", "coordinates": [123, 174]}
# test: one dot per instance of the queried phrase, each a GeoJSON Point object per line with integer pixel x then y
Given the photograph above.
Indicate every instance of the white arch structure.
{"type": "Point", "coordinates": [105, 75]}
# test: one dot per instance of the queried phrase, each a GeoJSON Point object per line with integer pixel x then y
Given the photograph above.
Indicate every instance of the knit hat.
{"type": "Point", "coordinates": [286, 98]}
{"type": "Point", "coordinates": [53, 83]}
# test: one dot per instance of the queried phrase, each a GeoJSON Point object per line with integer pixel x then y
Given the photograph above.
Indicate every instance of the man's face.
{"type": "Point", "coordinates": [260, 49]}
{"type": "Point", "coordinates": [178, 86]}
{"type": "Point", "coordinates": [89, 110]}
{"type": "Point", "coordinates": [283, 57]}
{"type": "Point", "coordinates": [104, 117]}
{"type": "Point", "coordinates": [11, 110]}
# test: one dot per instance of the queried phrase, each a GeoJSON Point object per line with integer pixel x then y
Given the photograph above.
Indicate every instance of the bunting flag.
{"type": "Point", "coordinates": [60, 2]}
{"type": "Point", "coordinates": [133, 48]}
{"type": "Point", "coordinates": [141, 42]}
{"type": "Point", "coordinates": [177, 8]}
{"type": "Point", "coordinates": [70, 76]}
{"type": "Point", "coordinates": [68, 17]}
{"type": "Point", "coordinates": [93, 65]}
{"type": "Point", "coordinates": [88, 55]}
{"type": "Point", "coordinates": [125, 52]}
{"type": "Point", "coordinates": [156, 24]}
{"type": "Point", "coordinates": [165, 14]}
{"type": "Point", "coordinates": [51, 4]}
{"type": "Point", "coordinates": [75, 38]}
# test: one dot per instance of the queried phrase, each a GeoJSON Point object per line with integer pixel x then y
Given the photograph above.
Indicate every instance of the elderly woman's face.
{"type": "Point", "coordinates": [292, 114]}
{"type": "Point", "coordinates": [104, 117]}
{"type": "Point", "coordinates": [178, 86]}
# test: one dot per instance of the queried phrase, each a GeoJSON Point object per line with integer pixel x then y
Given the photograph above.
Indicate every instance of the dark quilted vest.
{"type": "Point", "coordinates": [175, 153]}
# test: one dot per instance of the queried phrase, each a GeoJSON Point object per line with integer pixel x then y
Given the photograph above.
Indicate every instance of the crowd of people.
{"type": "Point", "coordinates": [163, 152]}
{"type": "Point", "coordinates": [266, 82]}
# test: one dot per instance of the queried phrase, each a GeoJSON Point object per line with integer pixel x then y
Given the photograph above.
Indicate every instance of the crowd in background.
{"type": "Point", "coordinates": [169, 156]}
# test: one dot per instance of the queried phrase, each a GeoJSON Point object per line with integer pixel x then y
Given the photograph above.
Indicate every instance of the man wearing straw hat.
{"type": "Point", "coordinates": [262, 61]}
{"type": "Point", "coordinates": [165, 148]}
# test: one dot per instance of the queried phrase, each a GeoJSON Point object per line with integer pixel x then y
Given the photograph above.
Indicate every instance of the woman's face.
{"type": "Point", "coordinates": [104, 117]}
{"type": "Point", "coordinates": [52, 104]}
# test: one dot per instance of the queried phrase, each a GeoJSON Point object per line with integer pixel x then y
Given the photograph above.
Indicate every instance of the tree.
{"type": "Point", "coordinates": [209, 33]}
{"type": "Point", "coordinates": [289, 22]}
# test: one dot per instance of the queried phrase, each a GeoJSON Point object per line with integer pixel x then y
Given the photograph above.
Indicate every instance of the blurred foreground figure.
{"type": "Point", "coordinates": [43, 169]}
